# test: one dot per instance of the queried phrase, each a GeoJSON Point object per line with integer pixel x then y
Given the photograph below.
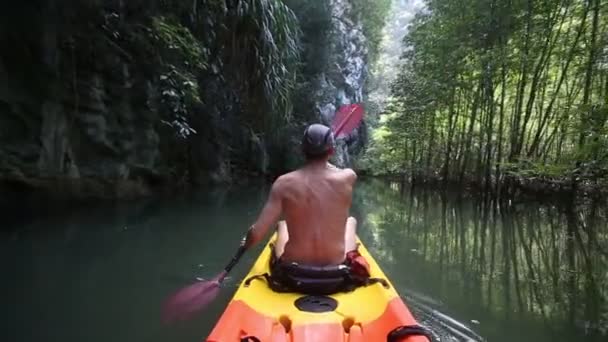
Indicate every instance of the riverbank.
{"type": "Point", "coordinates": [97, 188]}
{"type": "Point", "coordinates": [25, 202]}
{"type": "Point", "coordinates": [91, 188]}
{"type": "Point", "coordinates": [509, 186]}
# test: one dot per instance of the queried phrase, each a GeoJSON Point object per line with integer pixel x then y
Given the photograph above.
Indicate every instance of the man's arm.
{"type": "Point", "coordinates": [268, 217]}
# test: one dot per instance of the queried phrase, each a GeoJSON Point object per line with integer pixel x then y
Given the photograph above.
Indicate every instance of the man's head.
{"type": "Point", "coordinates": [318, 142]}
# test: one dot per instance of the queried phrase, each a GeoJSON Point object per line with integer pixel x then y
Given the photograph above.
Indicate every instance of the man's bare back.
{"type": "Point", "coordinates": [314, 202]}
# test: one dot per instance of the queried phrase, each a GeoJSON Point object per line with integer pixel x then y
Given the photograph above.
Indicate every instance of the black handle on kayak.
{"type": "Point", "coordinates": [252, 338]}
{"type": "Point", "coordinates": [405, 331]}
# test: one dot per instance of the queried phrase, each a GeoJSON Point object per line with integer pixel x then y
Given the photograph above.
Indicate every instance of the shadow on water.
{"type": "Point", "coordinates": [98, 272]}
{"type": "Point", "coordinates": [529, 271]}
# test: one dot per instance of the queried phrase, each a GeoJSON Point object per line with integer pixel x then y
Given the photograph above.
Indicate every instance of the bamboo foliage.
{"type": "Point", "coordinates": [500, 89]}
{"type": "Point", "coordinates": [263, 53]}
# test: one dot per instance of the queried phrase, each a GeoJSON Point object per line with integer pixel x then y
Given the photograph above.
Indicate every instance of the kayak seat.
{"type": "Point", "coordinates": [312, 280]}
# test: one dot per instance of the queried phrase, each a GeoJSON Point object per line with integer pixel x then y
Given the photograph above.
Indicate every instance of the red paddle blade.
{"type": "Point", "coordinates": [186, 302]}
{"type": "Point", "coordinates": [347, 118]}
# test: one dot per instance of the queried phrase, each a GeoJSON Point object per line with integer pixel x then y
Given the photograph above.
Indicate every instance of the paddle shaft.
{"type": "Point", "coordinates": [236, 258]}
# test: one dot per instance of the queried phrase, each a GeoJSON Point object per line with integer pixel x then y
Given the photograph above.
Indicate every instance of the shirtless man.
{"type": "Point", "coordinates": [314, 201]}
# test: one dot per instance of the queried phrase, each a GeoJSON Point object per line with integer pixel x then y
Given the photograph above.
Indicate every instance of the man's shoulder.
{"type": "Point", "coordinates": [286, 177]}
{"type": "Point", "coordinates": [348, 174]}
{"type": "Point", "coordinates": [283, 180]}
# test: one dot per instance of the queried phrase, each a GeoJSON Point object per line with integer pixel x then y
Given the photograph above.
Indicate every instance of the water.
{"type": "Point", "coordinates": [469, 269]}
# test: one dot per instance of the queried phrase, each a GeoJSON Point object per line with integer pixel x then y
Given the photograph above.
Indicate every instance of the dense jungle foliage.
{"type": "Point", "coordinates": [183, 91]}
{"type": "Point", "coordinates": [496, 91]}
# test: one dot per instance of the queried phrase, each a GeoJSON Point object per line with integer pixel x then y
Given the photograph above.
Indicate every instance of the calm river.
{"type": "Point", "coordinates": [469, 269]}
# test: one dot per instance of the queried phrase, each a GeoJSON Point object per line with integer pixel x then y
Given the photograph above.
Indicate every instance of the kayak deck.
{"type": "Point", "coordinates": [256, 313]}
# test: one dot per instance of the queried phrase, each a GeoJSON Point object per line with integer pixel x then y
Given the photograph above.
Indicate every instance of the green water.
{"type": "Point", "coordinates": [509, 271]}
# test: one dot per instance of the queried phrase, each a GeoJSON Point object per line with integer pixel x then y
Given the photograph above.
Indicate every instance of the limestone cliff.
{"type": "Point", "coordinates": [91, 104]}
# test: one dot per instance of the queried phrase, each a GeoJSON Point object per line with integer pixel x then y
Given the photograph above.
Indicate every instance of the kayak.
{"type": "Point", "coordinates": [373, 312]}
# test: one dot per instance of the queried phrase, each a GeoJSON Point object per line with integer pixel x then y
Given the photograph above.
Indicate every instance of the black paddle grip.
{"type": "Point", "coordinates": [236, 258]}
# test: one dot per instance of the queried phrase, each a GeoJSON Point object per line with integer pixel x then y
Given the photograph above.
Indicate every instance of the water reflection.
{"type": "Point", "coordinates": [527, 270]}
{"type": "Point", "coordinates": [507, 271]}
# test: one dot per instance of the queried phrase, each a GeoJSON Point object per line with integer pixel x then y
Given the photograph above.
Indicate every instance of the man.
{"type": "Point", "coordinates": [314, 201]}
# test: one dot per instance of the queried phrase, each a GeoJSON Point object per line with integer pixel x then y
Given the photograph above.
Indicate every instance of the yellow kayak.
{"type": "Point", "coordinates": [374, 312]}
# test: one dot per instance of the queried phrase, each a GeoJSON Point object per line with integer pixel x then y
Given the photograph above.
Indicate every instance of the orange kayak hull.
{"type": "Point", "coordinates": [256, 313]}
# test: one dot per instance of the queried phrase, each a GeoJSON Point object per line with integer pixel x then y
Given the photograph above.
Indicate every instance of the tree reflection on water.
{"type": "Point", "coordinates": [532, 270]}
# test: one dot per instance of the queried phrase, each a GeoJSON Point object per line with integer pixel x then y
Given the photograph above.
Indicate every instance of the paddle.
{"type": "Point", "coordinates": [184, 303]}
{"type": "Point", "coordinates": [346, 119]}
